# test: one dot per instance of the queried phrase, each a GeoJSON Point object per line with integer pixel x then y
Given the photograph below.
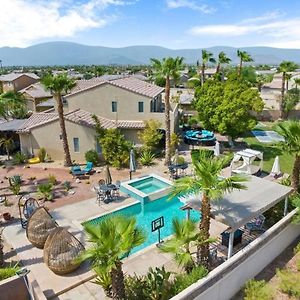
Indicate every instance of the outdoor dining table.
{"type": "Point", "coordinates": [177, 167]}
{"type": "Point", "coordinates": [107, 189]}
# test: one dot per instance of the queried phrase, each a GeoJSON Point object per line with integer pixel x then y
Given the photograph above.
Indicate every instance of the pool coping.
{"type": "Point", "coordinates": [126, 185]}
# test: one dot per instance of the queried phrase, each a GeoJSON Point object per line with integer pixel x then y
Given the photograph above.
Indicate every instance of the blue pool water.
{"type": "Point", "coordinates": [153, 210]}
{"type": "Point", "coordinates": [149, 185]}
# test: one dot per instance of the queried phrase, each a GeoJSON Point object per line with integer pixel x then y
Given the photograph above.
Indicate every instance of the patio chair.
{"type": "Point", "coordinates": [256, 224]}
{"type": "Point", "coordinates": [88, 168]}
{"type": "Point", "coordinates": [100, 197]}
{"type": "Point", "coordinates": [77, 172]}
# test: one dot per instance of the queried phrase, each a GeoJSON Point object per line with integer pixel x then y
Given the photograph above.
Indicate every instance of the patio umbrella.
{"type": "Point", "coordinates": [108, 179]}
{"type": "Point", "coordinates": [217, 149]}
{"type": "Point", "coordinates": [132, 163]}
{"type": "Point", "coordinates": [276, 167]}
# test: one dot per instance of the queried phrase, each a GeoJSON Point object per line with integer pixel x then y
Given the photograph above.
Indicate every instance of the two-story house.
{"type": "Point", "coordinates": [17, 81]}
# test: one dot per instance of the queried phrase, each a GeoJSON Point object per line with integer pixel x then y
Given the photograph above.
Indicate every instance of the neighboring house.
{"type": "Point", "coordinates": [38, 98]}
{"type": "Point", "coordinates": [185, 103]}
{"type": "Point", "coordinates": [120, 99]}
{"type": "Point", "coordinates": [17, 81]}
{"type": "Point", "coordinates": [42, 130]}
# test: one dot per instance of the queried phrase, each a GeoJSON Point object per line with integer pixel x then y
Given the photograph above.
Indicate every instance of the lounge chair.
{"type": "Point", "coordinates": [256, 224]}
{"type": "Point", "coordinates": [77, 172]}
{"type": "Point", "coordinates": [88, 168]}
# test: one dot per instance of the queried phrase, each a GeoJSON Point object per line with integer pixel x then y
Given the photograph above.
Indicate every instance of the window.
{"type": "Point", "coordinates": [141, 106]}
{"type": "Point", "coordinates": [114, 107]}
{"type": "Point", "coordinates": [76, 144]}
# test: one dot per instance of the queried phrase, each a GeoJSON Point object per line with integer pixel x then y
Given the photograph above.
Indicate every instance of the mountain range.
{"type": "Point", "coordinates": [67, 53]}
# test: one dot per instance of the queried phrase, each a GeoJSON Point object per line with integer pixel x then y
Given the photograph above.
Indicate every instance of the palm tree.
{"type": "Point", "coordinates": [284, 67]}
{"type": "Point", "coordinates": [112, 240]}
{"type": "Point", "coordinates": [210, 186]}
{"type": "Point", "coordinates": [244, 57]}
{"type": "Point", "coordinates": [167, 68]}
{"type": "Point", "coordinates": [288, 77]}
{"type": "Point", "coordinates": [8, 144]}
{"type": "Point", "coordinates": [206, 58]}
{"type": "Point", "coordinates": [290, 130]}
{"type": "Point", "coordinates": [1, 250]}
{"type": "Point", "coordinates": [222, 59]}
{"type": "Point", "coordinates": [13, 105]}
{"type": "Point", "coordinates": [58, 85]}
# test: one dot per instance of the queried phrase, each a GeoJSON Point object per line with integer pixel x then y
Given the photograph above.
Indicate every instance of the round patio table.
{"type": "Point", "coordinates": [107, 187]}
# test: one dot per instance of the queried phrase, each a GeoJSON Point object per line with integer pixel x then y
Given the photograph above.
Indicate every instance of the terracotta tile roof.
{"type": "Point", "coordinates": [36, 90]}
{"type": "Point", "coordinates": [129, 83]}
{"type": "Point", "coordinates": [79, 117]}
{"type": "Point", "coordinates": [14, 76]}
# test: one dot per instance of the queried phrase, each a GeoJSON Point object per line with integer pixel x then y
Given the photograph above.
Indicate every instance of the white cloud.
{"type": "Point", "coordinates": [277, 30]}
{"type": "Point", "coordinates": [204, 8]}
{"type": "Point", "coordinates": [26, 21]}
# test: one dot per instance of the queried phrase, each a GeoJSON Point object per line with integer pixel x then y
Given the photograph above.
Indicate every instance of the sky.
{"type": "Point", "coordinates": [176, 24]}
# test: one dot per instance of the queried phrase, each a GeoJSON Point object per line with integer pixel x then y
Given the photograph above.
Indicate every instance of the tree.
{"type": "Point", "coordinates": [210, 186]}
{"type": "Point", "coordinates": [1, 249]}
{"type": "Point", "coordinates": [167, 68]}
{"type": "Point", "coordinates": [8, 144]}
{"type": "Point", "coordinates": [207, 57]}
{"type": "Point", "coordinates": [290, 130]}
{"type": "Point", "coordinates": [112, 240]}
{"type": "Point", "coordinates": [151, 136]}
{"type": "Point", "coordinates": [244, 57]}
{"type": "Point", "coordinates": [13, 105]}
{"type": "Point", "coordinates": [175, 142]}
{"type": "Point", "coordinates": [58, 85]}
{"type": "Point", "coordinates": [222, 59]}
{"type": "Point", "coordinates": [284, 67]}
{"type": "Point", "coordinates": [288, 77]}
{"type": "Point", "coordinates": [297, 82]}
{"type": "Point", "coordinates": [226, 107]}
{"type": "Point", "coordinates": [261, 79]}
{"type": "Point", "coordinates": [291, 99]}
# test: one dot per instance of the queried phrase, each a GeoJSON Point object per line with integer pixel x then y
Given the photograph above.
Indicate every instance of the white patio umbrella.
{"type": "Point", "coordinates": [132, 163]}
{"type": "Point", "coordinates": [276, 167]}
{"type": "Point", "coordinates": [217, 149]}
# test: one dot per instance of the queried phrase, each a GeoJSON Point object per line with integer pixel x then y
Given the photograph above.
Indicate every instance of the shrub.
{"type": "Point", "coordinates": [67, 185]}
{"type": "Point", "coordinates": [151, 136]}
{"type": "Point", "coordinates": [92, 156]}
{"type": "Point", "coordinates": [42, 154]}
{"type": "Point", "coordinates": [136, 288]}
{"type": "Point", "coordinates": [289, 282]}
{"type": "Point", "coordinates": [181, 160]}
{"type": "Point", "coordinates": [255, 289]}
{"type": "Point", "coordinates": [15, 179]}
{"type": "Point", "coordinates": [147, 158]}
{"type": "Point", "coordinates": [52, 179]}
{"type": "Point", "coordinates": [15, 188]}
{"type": "Point", "coordinates": [182, 281]}
{"type": "Point", "coordinates": [45, 191]}
{"type": "Point", "coordinates": [197, 153]}
{"type": "Point", "coordinates": [8, 272]}
{"type": "Point", "coordinates": [19, 158]}
{"type": "Point", "coordinates": [192, 121]}
{"type": "Point", "coordinates": [175, 142]}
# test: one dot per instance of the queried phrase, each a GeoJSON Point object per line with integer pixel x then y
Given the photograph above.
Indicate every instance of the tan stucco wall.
{"type": "Point", "coordinates": [48, 137]}
{"type": "Point", "coordinates": [131, 135]}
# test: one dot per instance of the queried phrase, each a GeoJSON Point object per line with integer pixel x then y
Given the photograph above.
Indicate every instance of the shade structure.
{"type": "Point", "coordinates": [108, 179]}
{"type": "Point", "coordinates": [276, 167]}
{"type": "Point", "coordinates": [217, 149]}
{"type": "Point", "coordinates": [132, 162]}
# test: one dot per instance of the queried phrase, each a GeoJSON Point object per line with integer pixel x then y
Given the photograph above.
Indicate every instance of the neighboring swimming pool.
{"type": "Point", "coordinates": [153, 210]}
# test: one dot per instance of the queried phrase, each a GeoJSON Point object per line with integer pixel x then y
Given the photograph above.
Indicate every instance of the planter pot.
{"type": "Point", "coordinates": [6, 216]}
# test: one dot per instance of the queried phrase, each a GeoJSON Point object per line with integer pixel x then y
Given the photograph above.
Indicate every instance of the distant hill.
{"type": "Point", "coordinates": [65, 53]}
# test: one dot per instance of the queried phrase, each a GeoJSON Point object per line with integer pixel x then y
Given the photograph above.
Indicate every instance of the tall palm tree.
{"type": "Point", "coordinates": [167, 68]}
{"type": "Point", "coordinates": [12, 105]}
{"type": "Point", "coordinates": [261, 79]}
{"type": "Point", "coordinates": [288, 77]}
{"type": "Point", "coordinates": [222, 59]}
{"type": "Point", "coordinates": [207, 57]}
{"type": "Point", "coordinates": [244, 57]}
{"type": "Point", "coordinates": [112, 240]}
{"type": "Point", "coordinates": [58, 85]}
{"type": "Point", "coordinates": [290, 130]}
{"type": "Point", "coordinates": [210, 186]}
{"type": "Point", "coordinates": [1, 250]}
{"type": "Point", "coordinates": [8, 144]}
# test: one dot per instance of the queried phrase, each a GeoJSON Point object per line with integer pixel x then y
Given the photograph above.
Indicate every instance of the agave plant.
{"type": "Point", "coordinates": [147, 158]}
{"type": "Point", "coordinates": [45, 191]}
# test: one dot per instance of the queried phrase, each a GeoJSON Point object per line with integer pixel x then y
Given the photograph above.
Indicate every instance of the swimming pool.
{"type": "Point", "coordinates": [152, 210]}
{"type": "Point", "coordinates": [149, 185]}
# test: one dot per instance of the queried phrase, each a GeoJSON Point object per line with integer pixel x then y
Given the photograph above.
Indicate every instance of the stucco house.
{"type": "Point", "coordinates": [42, 130]}
{"type": "Point", "coordinates": [37, 98]}
{"type": "Point", "coordinates": [17, 81]}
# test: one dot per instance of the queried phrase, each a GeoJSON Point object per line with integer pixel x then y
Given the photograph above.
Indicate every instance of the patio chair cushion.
{"type": "Point", "coordinates": [89, 167]}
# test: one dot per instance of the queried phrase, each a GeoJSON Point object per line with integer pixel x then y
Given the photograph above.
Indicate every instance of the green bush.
{"type": "Point", "coordinates": [19, 158]}
{"type": "Point", "coordinates": [136, 288]}
{"type": "Point", "coordinates": [182, 281]}
{"type": "Point", "coordinates": [181, 160]}
{"type": "Point", "coordinates": [192, 121]}
{"type": "Point", "coordinates": [42, 154]}
{"type": "Point", "coordinates": [15, 179]}
{"type": "Point", "coordinates": [15, 188]}
{"type": "Point", "coordinates": [289, 282]}
{"type": "Point", "coordinates": [8, 272]}
{"type": "Point", "coordinates": [257, 289]}
{"type": "Point", "coordinates": [45, 191]}
{"type": "Point", "coordinates": [151, 136]}
{"type": "Point", "coordinates": [197, 153]}
{"type": "Point", "coordinates": [52, 179]}
{"type": "Point", "coordinates": [147, 158]}
{"type": "Point", "coordinates": [92, 156]}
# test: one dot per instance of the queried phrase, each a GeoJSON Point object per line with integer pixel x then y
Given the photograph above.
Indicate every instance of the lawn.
{"type": "Point", "coordinates": [270, 151]}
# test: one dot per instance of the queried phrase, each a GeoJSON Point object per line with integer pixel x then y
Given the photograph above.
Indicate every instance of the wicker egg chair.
{"type": "Point", "coordinates": [61, 250]}
{"type": "Point", "coordinates": [39, 226]}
